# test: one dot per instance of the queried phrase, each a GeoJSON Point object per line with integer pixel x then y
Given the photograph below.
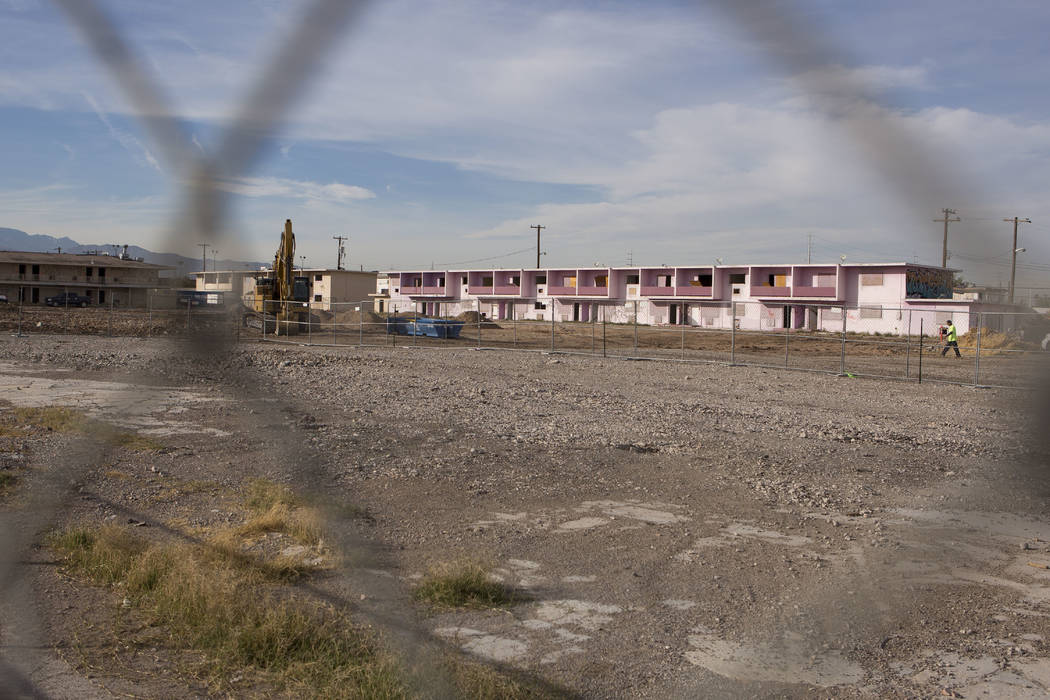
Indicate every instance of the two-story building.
{"type": "Point", "coordinates": [796, 296]}
{"type": "Point", "coordinates": [327, 286]}
{"type": "Point", "coordinates": [30, 278]}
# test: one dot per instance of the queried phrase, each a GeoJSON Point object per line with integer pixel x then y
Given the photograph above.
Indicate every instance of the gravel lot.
{"type": "Point", "coordinates": [675, 530]}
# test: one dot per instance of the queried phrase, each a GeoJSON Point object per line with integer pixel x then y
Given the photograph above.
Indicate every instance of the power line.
{"type": "Point", "coordinates": [476, 260]}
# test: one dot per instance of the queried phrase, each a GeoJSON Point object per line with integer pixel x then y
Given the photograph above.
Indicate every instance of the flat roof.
{"type": "Point", "coordinates": [20, 256]}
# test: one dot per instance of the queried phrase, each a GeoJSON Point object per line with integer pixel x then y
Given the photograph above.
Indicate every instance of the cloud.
{"type": "Point", "coordinates": [127, 141]}
{"type": "Point", "coordinates": [295, 189]}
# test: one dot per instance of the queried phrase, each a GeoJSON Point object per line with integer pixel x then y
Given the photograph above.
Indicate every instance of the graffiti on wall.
{"type": "Point", "coordinates": [927, 283]}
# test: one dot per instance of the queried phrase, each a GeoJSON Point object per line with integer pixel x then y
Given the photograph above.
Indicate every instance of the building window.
{"type": "Point", "coordinates": [88, 271]}
{"type": "Point", "coordinates": [101, 272]}
{"type": "Point", "coordinates": [738, 278]}
{"type": "Point", "coordinates": [317, 297]}
{"type": "Point", "coordinates": [632, 279]}
{"type": "Point", "coordinates": [36, 295]}
{"type": "Point", "coordinates": [541, 279]}
{"type": "Point", "coordinates": [486, 281]}
{"type": "Point", "coordinates": [441, 282]}
{"type": "Point", "coordinates": [317, 278]}
{"type": "Point", "coordinates": [539, 305]}
{"type": "Point", "coordinates": [871, 312]}
{"type": "Point", "coordinates": [871, 280]}
{"type": "Point", "coordinates": [515, 280]}
{"type": "Point", "coordinates": [463, 280]}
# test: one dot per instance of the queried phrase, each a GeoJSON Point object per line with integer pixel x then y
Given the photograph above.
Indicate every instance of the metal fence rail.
{"type": "Point", "coordinates": [906, 349]}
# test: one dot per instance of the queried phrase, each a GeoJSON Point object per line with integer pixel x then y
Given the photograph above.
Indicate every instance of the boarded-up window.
{"type": "Point", "coordinates": [568, 281]}
{"type": "Point", "coordinates": [632, 291]}
{"type": "Point", "coordinates": [824, 280]}
{"type": "Point", "coordinates": [831, 314]}
{"type": "Point", "coordinates": [943, 316]}
{"type": "Point", "coordinates": [710, 314]}
{"type": "Point", "coordinates": [871, 280]}
{"type": "Point", "coordinates": [780, 280]}
{"type": "Point", "coordinates": [871, 311]}
{"type": "Point", "coordinates": [601, 281]}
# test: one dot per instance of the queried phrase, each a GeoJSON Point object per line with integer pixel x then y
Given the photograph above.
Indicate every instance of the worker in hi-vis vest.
{"type": "Point", "coordinates": [953, 340]}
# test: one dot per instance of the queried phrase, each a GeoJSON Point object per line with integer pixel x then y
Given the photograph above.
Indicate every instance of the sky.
{"type": "Point", "coordinates": [437, 133]}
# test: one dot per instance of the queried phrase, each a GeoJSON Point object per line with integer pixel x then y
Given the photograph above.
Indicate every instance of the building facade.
{"type": "Point", "coordinates": [757, 297]}
{"type": "Point", "coordinates": [327, 286]}
{"type": "Point", "coordinates": [30, 278]}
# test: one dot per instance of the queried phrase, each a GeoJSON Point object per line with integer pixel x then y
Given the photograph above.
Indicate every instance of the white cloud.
{"type": "Point", "coordinates": [129, 142]}
{"type": "Point", "coordinates": [295, 189]}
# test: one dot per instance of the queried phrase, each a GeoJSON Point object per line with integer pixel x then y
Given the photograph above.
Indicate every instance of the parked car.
{"type": "Point", "coordinates": [3, 298]}
{"type": "Point", "coordinates": [67, 299]}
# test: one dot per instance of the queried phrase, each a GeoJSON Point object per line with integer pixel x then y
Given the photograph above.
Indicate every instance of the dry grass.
{"type": "Point", "coordinates": [463, 584]}
{"type": "Point", "coordinates": [62, 419]}
{"type": "Point", "coordinates": [214, 604]}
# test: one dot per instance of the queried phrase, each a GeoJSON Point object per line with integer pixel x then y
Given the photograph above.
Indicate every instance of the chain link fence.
{"type": "Point", "coordinates": [992, 349]}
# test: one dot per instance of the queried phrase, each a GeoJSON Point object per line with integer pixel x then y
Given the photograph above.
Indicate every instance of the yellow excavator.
{"type": "Point", "coordinates": [281, 301]}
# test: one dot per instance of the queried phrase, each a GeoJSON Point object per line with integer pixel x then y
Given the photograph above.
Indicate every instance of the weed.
{"type": "Point", "coordinates": [264, 495]}
{"type": "Point", "coordinates": [7, 479]}
{"type": "Point", "coordinates": [463, 584]}
{"type": "Point", "coordinates": [62, 419]}
{"type": "Point", "coordinates": [215, 606]}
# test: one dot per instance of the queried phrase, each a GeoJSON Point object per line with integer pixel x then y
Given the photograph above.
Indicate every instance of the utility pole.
{"type": "Point", "coordinates": [947, 218]}
{"type": "Point", "coordinates": [630, 258]}
{"type": "Point", "coordinates": [204, 257]}
{"type": "Point", "coordinates": [339, 256]}
{"type": "Point", "coordinates": [538, 229]}
{"type": "Point", "coordinates": [809, 248]}
{"type": "Point", "coordinates": [1013, 253]}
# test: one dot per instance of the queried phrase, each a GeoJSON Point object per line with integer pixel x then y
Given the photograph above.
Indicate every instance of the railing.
{"type": "Point", "coordinates": [411, 290]}
{"type": "Point", "coordinates": [657, 291]}
{"type": "Point", "coordinates": [435, 290]}
{"type": "Point", "coordinates": [507, 289]}
{"type": "Point", "coordinates": [561, 291]}
{"type": "Point", "coordinates": [476, 289]}
{"type": "Point", "coordinates": [693, 291]}
{"type": "Point", "coordinates": [593, 291]}
{"type": "Point", "coordinates": [771, 291]}
{"type": "Point", "coordinates": [801, 291]}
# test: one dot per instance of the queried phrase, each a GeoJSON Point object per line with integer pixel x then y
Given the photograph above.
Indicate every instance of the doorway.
{"type": "Point", "coordinates": [787, 317]}
{"type": "Point", "coordinates": [576, 311]}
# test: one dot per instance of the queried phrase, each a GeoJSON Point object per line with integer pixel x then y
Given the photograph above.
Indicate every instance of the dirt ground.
{"type": "Point", "coordinates": [673, 530]}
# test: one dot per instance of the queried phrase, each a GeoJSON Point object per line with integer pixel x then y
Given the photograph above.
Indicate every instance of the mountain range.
{"type": "Point", "coordinates": [14, 239]}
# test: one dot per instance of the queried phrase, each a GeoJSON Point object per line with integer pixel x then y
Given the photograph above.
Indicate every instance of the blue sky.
{"type": "Point", "coordinates": [437, 132]}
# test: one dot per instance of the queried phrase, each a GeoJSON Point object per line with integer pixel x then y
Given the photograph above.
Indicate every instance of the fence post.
{"type": "Point", "coordinates": [594, 330]}
{"type": "Point", "coordinates": [683, 335]}
{"type": "Point", "coordinates": [109, 318]}
{"type": "Point", "coordinates": [149, 309]}
{"type": "Point", "coordinates": [920, 350]}
{"type": "Point", "coordinates": [415, 323]}
{"type": "Point", "coordinates": [787, 339]}
{"type": "Point", "coordinates": [66, 295]}
{"type": "Point", "coordinates": [605, 318]}
{"type": "Point", "coordinates": [907, 357]}
{"type": "Point", "coordinates": [842, 358]}
{"type": "Point", "coordinates": [554, 305]}
{"type": "Point", "coordinates": [732, 334]}
{"type": "Point", "coordinates": [478, 302]}
{"type": "Point", "coordinates": [361, 326]}
{"type": "Point", "coordinates": [514, 322]}
{"type": "Point", "coordinates": [188, 314]}
{"type": "Point", "coordinates": [977, 357]}
{"type": "Point", "coordinates": [392, 326]}
{"type": "Point", "coordinates": [21, 301]}
{"type": "Point", "coordinates": [636, 328]}
{"type": "Point", "coordinates": [335, 322]}
{"type": "Point", "coordinates": [309, 323]}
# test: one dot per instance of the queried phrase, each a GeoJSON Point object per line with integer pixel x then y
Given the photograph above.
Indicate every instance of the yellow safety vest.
{"type": "Point", "coordinates": [952, 334]}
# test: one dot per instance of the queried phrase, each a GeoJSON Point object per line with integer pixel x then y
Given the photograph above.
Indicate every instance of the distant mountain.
{"type": "Point", "coordinates": [14, 239]}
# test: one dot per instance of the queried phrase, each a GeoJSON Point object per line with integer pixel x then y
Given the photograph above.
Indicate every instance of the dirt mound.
{"type": "Point", "coordinates": [470, 318]}
{"type": "Point", "coordinates": [992, 341]}
{"type": "Point", "coordinates": [349, 316]}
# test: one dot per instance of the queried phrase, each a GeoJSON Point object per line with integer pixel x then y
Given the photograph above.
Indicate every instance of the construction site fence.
{"type": "Point", "coordinates": [993, 349]}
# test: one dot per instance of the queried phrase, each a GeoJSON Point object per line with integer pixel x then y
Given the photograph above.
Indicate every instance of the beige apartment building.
{"type": "Point", "coordinates": [30, 278]}
{"type": "Point", "coordinates": [327, 286]}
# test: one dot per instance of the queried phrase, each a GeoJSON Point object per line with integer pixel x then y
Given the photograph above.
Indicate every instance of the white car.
{"type": "Point", "coordinates": [3, 298]}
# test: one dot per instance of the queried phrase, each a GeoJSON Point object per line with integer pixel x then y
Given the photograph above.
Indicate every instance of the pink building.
{"type": "Point", "coordinates": [884, 296]}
